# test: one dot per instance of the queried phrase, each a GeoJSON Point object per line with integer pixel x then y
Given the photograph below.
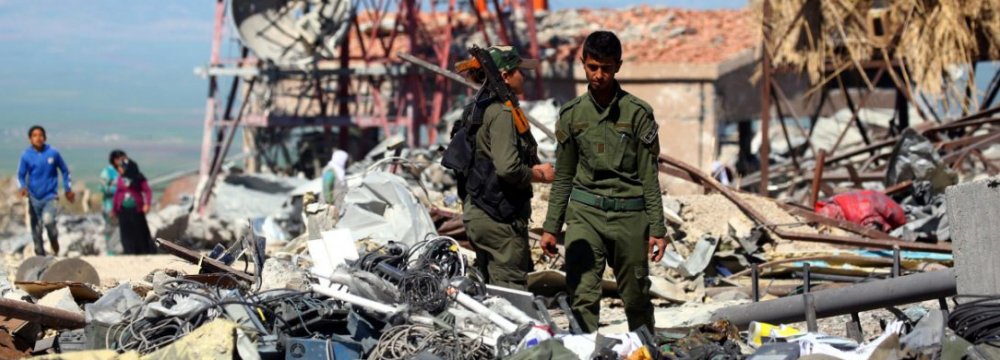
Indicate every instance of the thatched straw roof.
{"type": "Point", "coordinates": [818, 37]}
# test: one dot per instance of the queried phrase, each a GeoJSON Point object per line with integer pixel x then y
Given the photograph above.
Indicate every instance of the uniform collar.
{"type": "Point", "coordinates": [603, 112]}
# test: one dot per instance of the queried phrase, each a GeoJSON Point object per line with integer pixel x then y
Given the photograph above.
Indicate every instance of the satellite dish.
{"type": "Point", "coordinates": [292, 32]}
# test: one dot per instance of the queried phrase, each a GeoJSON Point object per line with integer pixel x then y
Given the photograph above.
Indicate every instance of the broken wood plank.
{"type": "Point", "coordinates": [203, 261]}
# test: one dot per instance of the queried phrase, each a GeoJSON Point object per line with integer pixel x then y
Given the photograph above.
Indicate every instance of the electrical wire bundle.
{"type": "Point", "coordinates": [977, 320]}
{"type": "Point", "coordinates": [440, 256]}
{"type": "Point", "coordinates": [146, 334]}
{"type": "Point", "coordinates": [424, 290]}
{"type": "Point", "coordinates": [403, 342]}
{"type": "Point", "coordinates": [392, 253]}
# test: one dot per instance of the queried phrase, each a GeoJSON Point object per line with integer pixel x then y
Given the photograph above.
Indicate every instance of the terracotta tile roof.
{"type": "Point", "coordinates": [649, 34]}
{"type": "Point", "coordinates": [670, 35]}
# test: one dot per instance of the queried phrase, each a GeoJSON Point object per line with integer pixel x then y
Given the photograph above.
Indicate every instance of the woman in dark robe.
{"type": "Point", "coordinates": [132, 199]}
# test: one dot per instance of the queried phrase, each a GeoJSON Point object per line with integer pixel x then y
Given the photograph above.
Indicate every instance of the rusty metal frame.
{"type": "Point", "coordinates": [418, 103]}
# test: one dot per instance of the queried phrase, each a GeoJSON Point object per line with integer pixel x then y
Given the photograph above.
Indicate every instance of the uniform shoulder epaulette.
{"type": "Point", "coordinates": [569, 104]}
{"type": "Point", "coordinates": [642, 104]}
{"type": "Point", "coordinates": [650, 135]}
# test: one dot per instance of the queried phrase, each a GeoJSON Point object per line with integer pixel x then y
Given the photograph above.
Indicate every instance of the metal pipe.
{"type": "Point", "coordinates": [806, 278]}
{"type": "Point", "coordinates": [809, 302]}
{"type": "Point", "coordinates": [46, 316]}
{"type": "Point", "coordinates": [765, 100]}
{"type": "Point", "coordinates": [437, 70]}
{"type": "Point", "coordinates": [755, 283]}
{"type": "Point", "coordinates": [817, 178]}
{"type": "Point", "coordinates": [543, 313]}
{"type": "Point", "coordinates": [529, 14]}
{"type": "Point", "coordinates": [574, 326]}
{"type": "Point", "coordinates": [459, 79]}
{"type": "Point", "coordinates": [837, 278]}
{"type": "Point", "coordinates": [854, 330]}
{"type": "Point", "coordinates": [506, 325]}
{"type": "Point", "coordinates": [356, 300]}
{"type": "Point", "coordinates": [861, 297]}
{"type": "Point", "coordinates": [897, 259]}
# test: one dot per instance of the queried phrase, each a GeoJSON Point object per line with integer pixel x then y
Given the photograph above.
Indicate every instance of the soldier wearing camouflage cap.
{"type": "Point", "coordinates": [505, 161]}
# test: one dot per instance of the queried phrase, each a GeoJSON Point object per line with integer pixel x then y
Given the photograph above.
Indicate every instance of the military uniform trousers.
{"type": "Point", "coordinates": [503, 255]}
{"type": "Point", "coordinates": [596, 237]}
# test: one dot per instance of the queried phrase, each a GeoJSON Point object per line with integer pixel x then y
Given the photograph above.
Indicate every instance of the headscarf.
{"type": "Point", "coordinates": [132, 177]}
{"type": "Point", "coordinates": [337, 163]}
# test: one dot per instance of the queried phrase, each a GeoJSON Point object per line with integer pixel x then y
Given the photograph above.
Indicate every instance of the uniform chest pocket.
{"type": "Point", "coordinates": [590, 141]}
{"type": "Point", "coordinates": [624, 147]}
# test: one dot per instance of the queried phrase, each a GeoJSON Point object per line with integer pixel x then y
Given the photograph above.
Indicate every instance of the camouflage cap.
{"type": "Point", "coordinates": [506, 58]}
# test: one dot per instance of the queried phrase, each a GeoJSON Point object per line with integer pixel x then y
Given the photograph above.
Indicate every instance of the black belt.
{"type": "Point", "coordinates": [608, 203]}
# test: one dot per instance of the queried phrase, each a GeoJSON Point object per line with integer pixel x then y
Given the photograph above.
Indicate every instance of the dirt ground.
{"type": "Point", "coordinates": [117, 269]}
{"type": "Point", "coordinates": [135, 267]}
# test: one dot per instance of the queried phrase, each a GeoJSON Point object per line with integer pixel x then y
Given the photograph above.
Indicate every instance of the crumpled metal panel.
{"type": "Point", "coordinates": [383, 209]}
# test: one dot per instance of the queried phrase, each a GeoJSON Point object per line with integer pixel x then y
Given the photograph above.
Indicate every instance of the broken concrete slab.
{"type": "Point", "coordinates": [61, 299]}
{"type": "Point", "coordinates": [283, 274]}
{"type": "Point", "coordinates": [973, 210]}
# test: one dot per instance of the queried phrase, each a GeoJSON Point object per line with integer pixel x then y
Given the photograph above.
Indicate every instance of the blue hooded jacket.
{"type": "Point", "coordinates": [38, 171]}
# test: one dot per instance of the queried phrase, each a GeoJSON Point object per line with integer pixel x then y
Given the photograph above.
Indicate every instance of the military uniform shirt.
{"type": "Point", "coordinates": [611, 152]}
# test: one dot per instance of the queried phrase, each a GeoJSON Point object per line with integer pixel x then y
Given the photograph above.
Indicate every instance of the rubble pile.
{"type": "Point", "coordinates": [377, 279]}
{"type": "Point", "coordinates": [13, 223]}
{"type": "Point", "coordinates": [388, 273]}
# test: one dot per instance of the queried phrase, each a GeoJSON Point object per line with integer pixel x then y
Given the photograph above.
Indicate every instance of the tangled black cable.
{"type": "Point", "coordinates": [145, 335]}
{"type": "Point", "coordinates": [977, 320]}
{"type": "Point", "coordinates": [393, 254]}
{"type": "Point", "coordinates": [440, 256]}
{"type": "Point", "coordinates": [424, 290]}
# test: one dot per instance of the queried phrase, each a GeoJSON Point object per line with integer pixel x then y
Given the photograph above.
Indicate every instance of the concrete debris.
{"type": "Point", "coordinates": [283, 274]}
{"type": "Point", "coordinates": [81, 235]}
{"type": "Point", "coordinates": [169, 222]}
{"type": "Point", "coordinates": [61, 299]}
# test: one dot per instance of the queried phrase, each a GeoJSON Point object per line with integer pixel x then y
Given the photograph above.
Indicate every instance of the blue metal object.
{"type": "Point", "coordinates": [335, 348]}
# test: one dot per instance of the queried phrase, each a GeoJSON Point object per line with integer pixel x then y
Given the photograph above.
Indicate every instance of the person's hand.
{"type": "Point", "coordinates": [23, 192]}
{"type": "Point", "coordinates": [548, 244]}
{"type": "Point", "coordinates": [145, 208]}
{"type": "Point", "coordinates": [657, 246]}
{"type": "Point", "coordinates": [70, 196]}
{"type": "Point", "coordinates": [543, 173]}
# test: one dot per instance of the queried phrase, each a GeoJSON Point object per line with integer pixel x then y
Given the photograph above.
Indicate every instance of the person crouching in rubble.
{"type": "Point", "coordinates": [497, 191]}
{"type": "Point", "coordinates": [131, 204]}
{"type": "Point", "coordinates": [606, 189]}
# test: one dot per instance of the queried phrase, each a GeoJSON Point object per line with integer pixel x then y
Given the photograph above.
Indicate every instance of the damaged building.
{"type": "Point", "coordinates": [855, 221]}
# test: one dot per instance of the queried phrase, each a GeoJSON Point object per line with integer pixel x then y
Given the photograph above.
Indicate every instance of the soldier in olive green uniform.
{"type": "Point", "coordinates": [498, 195]}
{"type": "Point", "coordinates": [606, 190]}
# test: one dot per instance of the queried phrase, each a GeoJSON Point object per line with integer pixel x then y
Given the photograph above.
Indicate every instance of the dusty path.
{"type": "Point", "coordinates": [135, 267]}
